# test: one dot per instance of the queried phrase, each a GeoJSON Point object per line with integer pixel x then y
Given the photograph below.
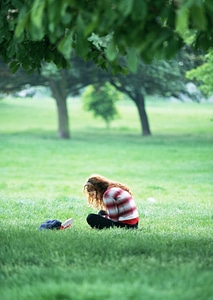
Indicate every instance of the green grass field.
{"type": "Point", "coordinates": [170, 256]}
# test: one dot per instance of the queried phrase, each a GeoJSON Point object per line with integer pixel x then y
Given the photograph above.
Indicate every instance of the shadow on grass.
{"type": "Point", "coordinates": [103, 136]}
{"type": "Point", "coordinates": [80, 247]}
{"type": "Point", "coordinates": [89, 264]}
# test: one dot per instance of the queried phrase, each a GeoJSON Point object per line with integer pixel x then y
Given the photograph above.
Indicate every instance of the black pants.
{"type": "Point", "coordinates": [99, 222]}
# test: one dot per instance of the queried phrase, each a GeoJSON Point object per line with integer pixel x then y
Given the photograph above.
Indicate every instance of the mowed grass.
{"type": "Point", "coordinates": [170, 256]}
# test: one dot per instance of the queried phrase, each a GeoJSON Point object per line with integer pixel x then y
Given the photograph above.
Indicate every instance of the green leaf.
{"type": "Point", "coordinates": [182, 18]}
{"type": "Point", "coordinates": [125, 7]}
{"type": "Point", "coordinates": [82, 47]}
{"type": "Point", "coordinates": [53, 11]}
{"type": "Point", "coordinates": [14, 66]}
{"type": "Point", "coordinates": [111, 51]}
{"type": "Point", "coordinates": [160, 39]}
{"type": "Point", "coordinates": [172, 47]}
{"type": "Point", "coordinates": [209, 5]}
{"type": "Point", "coordinates": [80, 25]}
{"type": "Point", "coordinates": [198, 17]}
{"type": "Point", "coordinates": [37, 13]}
{"type": "Point", "coordinates": [65, 45]}
{"type": "Point", "coordinates": [22, 23]}
{"type": "Point", "coordinates": [11, 49]}
{"type": "Point", "coordinates": [132, 60]}
{"type": "Point", "coordinates": [139, 10]}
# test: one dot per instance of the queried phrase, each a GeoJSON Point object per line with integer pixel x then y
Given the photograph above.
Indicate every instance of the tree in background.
{"type": "Point", "coordinates": [160, 78]}
{"type": "Point", "coordinates": [67, 82]}
{"type": "Point", "coordinates": [100, 99]}
{"type": "Point", "coordinates": [62, 83]}
{"type": "Point", "coordinates": [164, 78]}
{"type": "Point", "coordinates": [203, 75]}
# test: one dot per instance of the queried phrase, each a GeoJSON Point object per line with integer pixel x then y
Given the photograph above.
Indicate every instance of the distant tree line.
{"type": "Point", "coordinates": [164, 78]}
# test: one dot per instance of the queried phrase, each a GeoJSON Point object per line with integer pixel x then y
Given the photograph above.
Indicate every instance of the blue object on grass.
{"type": "Point", "coordinates": [50, 224]}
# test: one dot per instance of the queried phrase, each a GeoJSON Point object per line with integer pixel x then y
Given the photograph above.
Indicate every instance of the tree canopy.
{"type": "Point", "coordinates": [33, 31]}
{"type": "Point", "coordinates": [203, 75]}
{"type": "Point", "coordinates": [93, 101]}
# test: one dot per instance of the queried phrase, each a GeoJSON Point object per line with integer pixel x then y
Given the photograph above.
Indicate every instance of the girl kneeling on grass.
{"type": "Point", "coordinates": [115, 201]}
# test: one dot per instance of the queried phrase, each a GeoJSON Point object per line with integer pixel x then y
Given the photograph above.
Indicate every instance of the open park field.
{"type": "Point", "coordinates": [170, 256]}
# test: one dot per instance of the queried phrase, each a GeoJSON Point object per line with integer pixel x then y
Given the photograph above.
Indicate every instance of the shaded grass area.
{"type": "Point", "coordinates": [154, 266]}
{"type": "Point", "coordinates": [113, 263]}
{"type": "Point", "coordinates": [170, 173]}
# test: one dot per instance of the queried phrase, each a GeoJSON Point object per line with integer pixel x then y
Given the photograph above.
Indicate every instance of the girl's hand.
{"type": "Point", "coordinates": [102, 212]}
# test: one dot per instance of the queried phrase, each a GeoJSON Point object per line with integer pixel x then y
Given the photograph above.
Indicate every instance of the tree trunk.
{"type": "Point", "coordinates": [139, 100]}
{"type": "Point", "coordinates": [59, 94]}
{"type": "Point", "coordinates": [140, 103]}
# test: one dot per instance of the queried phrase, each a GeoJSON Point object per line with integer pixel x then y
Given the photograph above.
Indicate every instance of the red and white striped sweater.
{"type": "Point", "coordinates": [120, 206]}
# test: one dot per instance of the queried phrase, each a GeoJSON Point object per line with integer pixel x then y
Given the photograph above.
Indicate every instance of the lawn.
{"type": "Point", "coordinates": [169, 257]}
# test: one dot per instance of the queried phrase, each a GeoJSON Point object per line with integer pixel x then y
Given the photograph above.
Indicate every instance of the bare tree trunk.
{"type": "Point", "coordinates": [140, 103]}
{"type": "Point", "coordinates": [59, 94]}
{"type": "Point", "coordinates": [139, 100]}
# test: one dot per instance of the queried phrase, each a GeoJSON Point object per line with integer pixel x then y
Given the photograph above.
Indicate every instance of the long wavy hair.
{"type": "Point", "coordinates": [99, 184]}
